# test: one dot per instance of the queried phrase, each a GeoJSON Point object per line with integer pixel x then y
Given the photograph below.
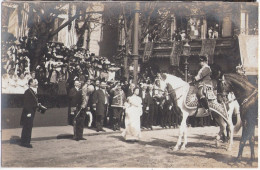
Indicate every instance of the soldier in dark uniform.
{"type": "Point", "coordinates": [118, 101]}
{"type": "Point", "coordinates": [203, 78]}
{"type": "Point", "coordinates": [79, 119]}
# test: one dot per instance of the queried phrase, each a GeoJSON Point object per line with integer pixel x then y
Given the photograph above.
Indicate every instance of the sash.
{"type": "Point", "coordinates": [34, 95]}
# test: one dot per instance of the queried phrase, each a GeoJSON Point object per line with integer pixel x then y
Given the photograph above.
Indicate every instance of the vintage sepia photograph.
{"type": "Point", "coordinates": [141, 84]}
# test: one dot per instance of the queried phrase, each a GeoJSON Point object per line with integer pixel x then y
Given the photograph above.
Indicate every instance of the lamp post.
{"type": "Point", "coordinates": [186, 54]}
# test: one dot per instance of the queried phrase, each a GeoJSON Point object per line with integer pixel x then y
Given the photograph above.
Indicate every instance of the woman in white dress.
{"type": "Point", "coordinates": [133, 112]}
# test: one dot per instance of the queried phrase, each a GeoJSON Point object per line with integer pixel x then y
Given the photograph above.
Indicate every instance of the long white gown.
{"type": "Point", "coordinates": [132, 119]}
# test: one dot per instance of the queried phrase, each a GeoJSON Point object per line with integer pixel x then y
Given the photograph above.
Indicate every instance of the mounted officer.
{"type": "Point", "coordinates": [203, 80]}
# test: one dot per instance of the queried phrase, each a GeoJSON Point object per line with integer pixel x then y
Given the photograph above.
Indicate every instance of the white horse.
{"type": "Point", "coordinates": [181, 89]}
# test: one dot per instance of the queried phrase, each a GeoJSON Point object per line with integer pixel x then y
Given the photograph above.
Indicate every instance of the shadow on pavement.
{"type": "Point", "coordinates": [204, 137]}
{"type": "Point", "coordinates": [65, 136]}
{"type": "Point", "coordinates": [15, 140]}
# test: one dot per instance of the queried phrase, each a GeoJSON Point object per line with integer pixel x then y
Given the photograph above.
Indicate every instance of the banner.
{"type": "Point", "coordinates": [13, 23]}
{"type": "Point", "coordinates": [23, 28]}
{"type": "Point", "coordinates": [248, 45]}
{"type": "Point", "coordinates": [208, 49]}
{"type": "Point", "coordinates": [148, 50]}
{"type": "Point", "coordinates": [176, 52]}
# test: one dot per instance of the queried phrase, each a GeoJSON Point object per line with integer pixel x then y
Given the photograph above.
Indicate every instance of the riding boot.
{"type": "Point", "coordinates": [205, 104]}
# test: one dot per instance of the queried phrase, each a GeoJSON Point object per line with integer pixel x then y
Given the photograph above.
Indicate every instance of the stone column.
{"type": "Point", "coordinates": [173, 25]}
{"type": "Point", "coordinates": [227, 25]}
{"type": "Point", "coordinates": [204, 28]}
{"type": "Point", "coordinates": [244, 22]}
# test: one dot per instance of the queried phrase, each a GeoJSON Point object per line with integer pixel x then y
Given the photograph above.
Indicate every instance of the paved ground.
{"type": "Point", "coordinates": [53, 147]}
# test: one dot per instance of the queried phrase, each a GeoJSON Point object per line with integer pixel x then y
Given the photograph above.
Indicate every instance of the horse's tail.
{"type": "Point", "coordinates": [238, 125]}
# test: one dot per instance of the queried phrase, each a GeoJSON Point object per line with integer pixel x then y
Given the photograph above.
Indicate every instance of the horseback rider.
{"type": "Point", "coordinates": [203, 78]}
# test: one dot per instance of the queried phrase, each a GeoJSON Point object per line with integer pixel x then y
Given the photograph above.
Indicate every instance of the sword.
{"type": "Point", "coordinates": [78, 113]}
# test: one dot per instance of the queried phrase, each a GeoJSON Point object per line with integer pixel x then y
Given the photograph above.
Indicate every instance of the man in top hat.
{"type": "Point", "coordinates": [100, 103]}
{"type": "Point", "coordinates": [203, 78]}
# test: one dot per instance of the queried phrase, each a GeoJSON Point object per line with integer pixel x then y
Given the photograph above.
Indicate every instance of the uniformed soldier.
{"type": "Point", "coordinates": [79, 119]}
{"type": "Point", "coordinates": [118, 101]}
{"type": "Point", "coordinates": [203, 78]}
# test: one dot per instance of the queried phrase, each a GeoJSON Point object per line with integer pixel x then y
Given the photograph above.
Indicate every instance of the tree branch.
{"type": "Point", "coordinates": [69, 21]}
{"type": "Point", "coordinates": [151, 29]}
{"type": "Point", "coordinates": [148, 20]}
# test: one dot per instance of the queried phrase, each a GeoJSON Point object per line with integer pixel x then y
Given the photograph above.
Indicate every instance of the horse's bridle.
{"type": "Point", "coordinates": [244, 101]}
{"type": "Point", "coordinates": [251, 95]}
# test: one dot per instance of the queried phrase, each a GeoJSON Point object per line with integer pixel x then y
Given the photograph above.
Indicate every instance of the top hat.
{"type": "Point", "coordinates": [42, 108]}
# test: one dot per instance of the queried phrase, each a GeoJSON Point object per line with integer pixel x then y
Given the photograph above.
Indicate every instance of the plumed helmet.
{"type": "Point", "coordinates": [203, 58]}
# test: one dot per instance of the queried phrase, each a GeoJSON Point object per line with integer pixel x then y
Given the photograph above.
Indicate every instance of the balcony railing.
{"type": "Point", "coordinates": [163, 49]}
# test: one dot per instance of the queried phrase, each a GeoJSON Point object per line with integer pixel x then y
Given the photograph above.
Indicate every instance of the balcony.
{"type": "Point", "coordinates": [163, 49]}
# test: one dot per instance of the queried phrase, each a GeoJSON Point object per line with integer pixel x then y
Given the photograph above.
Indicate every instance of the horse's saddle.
{"type": "Point", "coordinates": [209, 91]}
{"type": "Point", "coordinates": [191, 100]}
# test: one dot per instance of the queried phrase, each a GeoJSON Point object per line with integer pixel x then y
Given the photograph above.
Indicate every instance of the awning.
{"type": "Point", "coordinates": [248, 45]}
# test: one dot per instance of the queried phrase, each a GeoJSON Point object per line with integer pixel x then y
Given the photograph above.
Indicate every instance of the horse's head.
{"type": "Point", "coordinates": [222, 89]}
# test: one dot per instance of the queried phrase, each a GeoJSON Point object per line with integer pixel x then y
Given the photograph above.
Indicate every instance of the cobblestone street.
{"type": "Point", "coordinates": [110, 150]}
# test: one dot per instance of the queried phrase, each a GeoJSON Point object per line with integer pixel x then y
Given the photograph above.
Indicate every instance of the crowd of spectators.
{"type": "Point", "coordinates": [61, 66]}
{"type": "Point", "coordinates": [158, 109]}
{"type": "Point", "coordinates": [56, 70]}
{"type": "Point", "coordinates": [15, 66]}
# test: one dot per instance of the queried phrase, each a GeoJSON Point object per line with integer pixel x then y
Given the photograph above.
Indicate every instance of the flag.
{"type": "Point", "coordinates": [176, 52]}
{"type": "Point", "coordinates": [148, 50]}
{"type": "Point", "coordinates": [208, 49]}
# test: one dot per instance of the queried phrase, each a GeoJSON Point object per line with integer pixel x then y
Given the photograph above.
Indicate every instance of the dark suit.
{"type": "Point", "coordinates": [74, 101]}
{"type": "Point", "coordinates": [142, 94]}
{"type": "Point", "coordinates": [98, 101]}
{"type": "Point", "coordinates": [167, 113]}
{"type": "Point", "coordinates": [129, 92]}
{"type": "Point", "coordinates": [29, 108]}
{"type": "Point", "coordinates": [148, 114]}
